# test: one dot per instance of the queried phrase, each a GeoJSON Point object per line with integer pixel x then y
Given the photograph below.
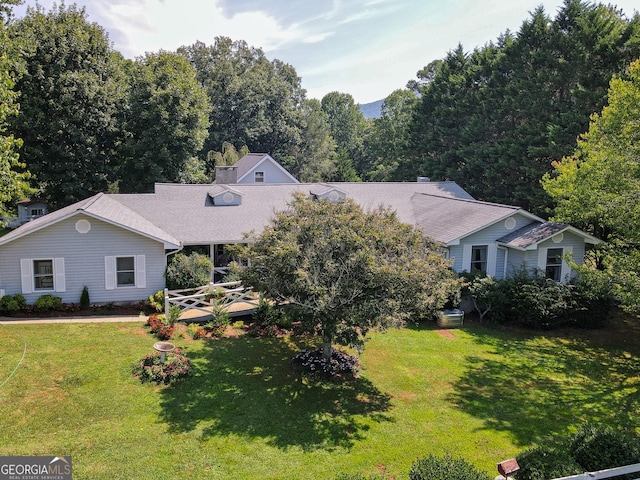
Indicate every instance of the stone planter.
{"type": "Point", "coordinates": [450, 318]}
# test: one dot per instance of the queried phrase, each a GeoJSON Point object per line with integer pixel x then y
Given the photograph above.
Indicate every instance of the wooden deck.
{"type": "Point", "coordinates": [237, 309]}
{"type": "Point", "coordinates": [197, 305]}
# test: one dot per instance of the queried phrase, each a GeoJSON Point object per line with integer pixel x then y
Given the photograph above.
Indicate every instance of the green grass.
{"type": "Point", "coordinates": [483, 395]}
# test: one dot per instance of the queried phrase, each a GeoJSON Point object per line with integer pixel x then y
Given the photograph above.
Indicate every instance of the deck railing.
{"type": "Point", "coordinates": [609, 473]}
{"type": "Point", "coordinates": [227, 295]}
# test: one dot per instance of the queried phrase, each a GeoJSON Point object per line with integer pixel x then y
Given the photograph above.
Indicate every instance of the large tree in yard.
{"type": "Point", "coordinates": [598, 187]}
{"type": "Point", "coordinates": [348, 270]}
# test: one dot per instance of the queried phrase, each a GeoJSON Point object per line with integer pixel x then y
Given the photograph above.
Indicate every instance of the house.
{"type": "Point", "coordinates": [28, 210]}
{"type": "Point", "coordinates": [118, 244]}
{"type": "Point", "coordinates": [254, 168]}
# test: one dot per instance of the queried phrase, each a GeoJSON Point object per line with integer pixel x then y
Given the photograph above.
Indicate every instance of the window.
{"type": "Point", "coordinates": [479, 259]}
{"type": "Point", "coordinates": [126, 271]}
{"type": "Point", "coordinates": [259, 177]}
{"type": "Point", "coordinates": [553, 268]}
{"type": "Point", "coordinates": [37, 212]}
{"type": "Point", "coordinates": [129, 271]}
{"type": "Point", "coordinates": [43, 274]}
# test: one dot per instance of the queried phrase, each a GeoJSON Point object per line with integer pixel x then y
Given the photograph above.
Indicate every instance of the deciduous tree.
{"type": "Point", "coordinates": [14, 184]}
{"type": "Point", "coordinates": [598, 187]}
{"type": "Point", "coordinates": [254, 101]}
{"type": "Point", "coordinates": [71, 88]}
{"type": "Point", "coordinates": [166, 121]}
{"type": "Point", "coordinates": [348, 270]}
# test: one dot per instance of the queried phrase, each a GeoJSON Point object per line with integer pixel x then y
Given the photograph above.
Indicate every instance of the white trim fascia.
{"type": "Point", "coordinates": [534, 246]}
{"type": "Point", "coordinates": [167, 244]}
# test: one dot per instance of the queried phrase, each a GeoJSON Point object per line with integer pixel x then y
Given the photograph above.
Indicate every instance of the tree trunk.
{"type": "Point", "coordinates": [326, 347]}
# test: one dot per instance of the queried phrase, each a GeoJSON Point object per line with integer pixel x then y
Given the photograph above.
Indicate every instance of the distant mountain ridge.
{"type": "Point", "coordinates": [372, 110]}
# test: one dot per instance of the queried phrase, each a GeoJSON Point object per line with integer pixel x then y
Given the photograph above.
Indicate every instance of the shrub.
{"type": "Point", "coordinates": [10, 304]}
{"type": "Point", "coordinates": [84, 298]}
{"type": "Point", "coordinates": [47, 302]}
{"type": "Point", "coordinates": [159, 327]}
{"type": "Point", "coordinates": [156, 301]}
{"type": "Point", "coordinates": [594, 299]}
{"type": "Point", "coordinates": [445, 468]}
{"type": "Point", "coordinates": [188, 271]}
{"type": "Point", "coordinates": [174, 314]}
{"type": "Point", "coordinates": [176, 367]}
{"type": "Point", "coordinates": [340, 366]}
{"type": "Point", "coordinates": [266, 313]}
{"type": "Point", "coordinates": [533, 301]}
{"type": "Point", "coordinates": [220, 318]}
{"type": "Point", "coordinates": [195, 331]}
{"type": "Point", "coordinates": [597, 448]}
{"type": "Point", "coordinates": [542, 463]}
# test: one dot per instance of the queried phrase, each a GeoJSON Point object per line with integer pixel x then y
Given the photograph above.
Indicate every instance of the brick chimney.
{"type": "Point", "coordinates": [226, 175]}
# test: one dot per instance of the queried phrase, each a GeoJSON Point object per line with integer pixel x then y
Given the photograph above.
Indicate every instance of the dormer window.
{"type": "Point", "coordinates": [258, 177]}
{"type": "Point", "coordinates": [224, 196]}
{"type": "Point", "coordinates": [331, 194]}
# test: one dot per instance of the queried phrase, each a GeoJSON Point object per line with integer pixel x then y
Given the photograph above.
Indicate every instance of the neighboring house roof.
{"type": "Point", "coordinates": [252, 161]}
{"type": "Point", "coordinates": [529, 236]}
{"type": "Point", "coordinates": [105, 208]}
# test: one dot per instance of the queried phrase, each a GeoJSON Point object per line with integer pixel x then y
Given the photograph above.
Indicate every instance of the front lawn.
{"type": "Point", "coordinates": [481, 393]}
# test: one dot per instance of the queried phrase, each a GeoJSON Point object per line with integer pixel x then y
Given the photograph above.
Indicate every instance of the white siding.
{"type": "Point", "coordinates": [82, 257]}
{"type": "Point", "coordinates": [496, 257]}
{"type": "Point", "coordinates": [272, 174]}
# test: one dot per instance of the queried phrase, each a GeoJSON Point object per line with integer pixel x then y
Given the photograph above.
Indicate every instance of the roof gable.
{"type": "Point", "coordinates": [251, 162]}
{"type": "Point", "coordinates": [529, 236]}
{"type": "Point", "coordinates": [223, 195]}
{"type": "Point", "coordinates": [448, 220]}
{"type": "Point", "coordinates": [102, 207]}
{"type": "Point", "coordinates": [328, 192]}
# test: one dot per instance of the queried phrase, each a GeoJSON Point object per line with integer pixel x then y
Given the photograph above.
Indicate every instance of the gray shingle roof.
{"type": "Point", "coordinates": [183, 210]}
{"type": "Point", "coordinates": [179, 213]}
{"type": "Point", "coordinates": [100, 206]}
{"type": "Point", "coordinates": [247, 162]}
{"type": "Point", "coordinates": [449, 219]}
{"type": "Point", "coordinates": [532, 234]}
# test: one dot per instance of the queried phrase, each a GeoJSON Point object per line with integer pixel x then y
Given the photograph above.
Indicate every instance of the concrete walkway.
{"type": "Point", "coordinates": [90, 319]}
{"type": "Point", "coordinates": [192, 315]}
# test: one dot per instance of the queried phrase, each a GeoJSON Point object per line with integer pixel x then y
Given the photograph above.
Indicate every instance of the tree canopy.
{"type": "Point", "coordinates": [70, 94]}
{"type": "Point", "coordinates": [348, 270]}
{"type": "Point", "coordinates": [15, 180]}
{"type": "Point", "coordinates": [254, 101]}
{"type": "Point", "coordinates": [494, 119]}
{"type": "Point", "coordinates": [165, 121]}
{"type": "Point", "coordinates": [598, 187]}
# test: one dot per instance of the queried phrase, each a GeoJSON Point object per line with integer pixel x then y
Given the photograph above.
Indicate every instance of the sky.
{"type": "Point", "coordinates": [366, 48]}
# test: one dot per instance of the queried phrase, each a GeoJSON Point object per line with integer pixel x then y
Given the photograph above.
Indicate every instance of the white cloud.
{"type": "Point", "coordinates": [367, 48]}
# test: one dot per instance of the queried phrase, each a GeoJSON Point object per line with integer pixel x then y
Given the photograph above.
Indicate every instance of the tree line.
{"type": "Point", "coordinates": [504, 120]}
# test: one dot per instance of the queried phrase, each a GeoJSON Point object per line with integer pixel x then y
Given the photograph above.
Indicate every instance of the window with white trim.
{"type": "Point", "coordinates": [43, 274]}
{"type": "Point", "coordinates": [258, 177]}
{"type": "Point", "coordinates": [553, 267]}
{"type": "Point", "coordinates": [479, 259]}
{"type": "Point", "coordinates": [123, 272]}
{"type": "Point", "coordinates": [126, 271]}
